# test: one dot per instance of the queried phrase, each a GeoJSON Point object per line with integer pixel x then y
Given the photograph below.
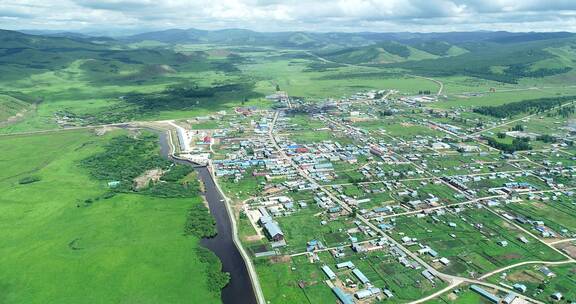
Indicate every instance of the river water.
{"type": "Point", "coordinates": [239, 289]}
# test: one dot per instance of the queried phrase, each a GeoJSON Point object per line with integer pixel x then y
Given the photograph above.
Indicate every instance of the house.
{"type": "Point", "coordinates": [547, 272]}
{"type": "Point", "coordinates": [523, 240]}
{"type": "Point", "coordinates": [490, 297]}
{"type": "Point", "coordinates": [360, 276]}
{"type": "Point", "coordinates": [428, 275]}
{"type": "Point", "coordinates": [388, 293]}
{"type": "Point", "coordinates": [329, 273]}
{"type": "Point", "coordinates": [509, 298]}
{"type": "Point", "coordinates": [342, 296]}
{"type": "Point", "coordinates": [346, 264]}
{"type": "Point", "coordinates": [556, 296]}
{"type": "Point", "coordinates": [273, 230]}
{"type": "Point", "coordinates": [520, 287]}
{"type": "Point", "coordinates": [366, 293]}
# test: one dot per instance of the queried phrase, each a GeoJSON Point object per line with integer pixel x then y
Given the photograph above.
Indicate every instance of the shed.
{"type": "Point", "coordinates": [329, 273]}
{"type": "Point", "coordinates": [360, 276]}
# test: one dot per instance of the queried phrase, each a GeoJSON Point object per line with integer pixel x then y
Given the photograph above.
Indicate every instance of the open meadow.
{"type": "Point", "coordinates": [66, 239]}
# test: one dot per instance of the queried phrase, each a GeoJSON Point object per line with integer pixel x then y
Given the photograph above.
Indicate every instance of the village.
{"type": "Point", "coordinates": [362, 184]}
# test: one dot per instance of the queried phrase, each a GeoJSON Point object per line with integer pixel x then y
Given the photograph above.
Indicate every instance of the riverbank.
{"type": "Point", "coordinates": [244, 283]}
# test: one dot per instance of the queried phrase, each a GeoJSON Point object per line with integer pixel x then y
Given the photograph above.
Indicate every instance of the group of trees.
{"type": "Point", "coordinates": [190, 95]}
{"type": "Point", "coordinates": [200, 223]}
{"type": "Point", "coordinates": [518, 127]}
{"type": "Point", "coordinates": [518, 144]}
{"type": "Point", "coordinates": [526, 106]}
{"type": "Point", "coordinates": [566, 111]}
{"type": "Point", "coordinates": [216, 279]}
{"type": "Point", "coordinates": [124, 158]}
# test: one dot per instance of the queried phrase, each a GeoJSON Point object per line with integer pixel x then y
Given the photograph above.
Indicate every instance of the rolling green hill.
{"type": "Point", "coordinates": [503, 62]}
{"type": "Point", "coordinates": [22, 55]}
{"type": "Point", "coordinates": [387, 52]}
{"type": "Point", "coordinates": [10, 106]}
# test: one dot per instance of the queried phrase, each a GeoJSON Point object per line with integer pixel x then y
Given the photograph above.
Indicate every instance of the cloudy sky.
{"type": "Point", "coordinates": [287, 15]}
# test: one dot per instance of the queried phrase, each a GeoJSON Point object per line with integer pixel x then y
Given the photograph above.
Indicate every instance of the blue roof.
{"type": "Point", "coordinates": [385, 226]}
{"type": "Point", "coordinates": [360, 276]}
{"type": "Point", "coordinates": [331, 275]}
{"type": "Point", "coordinates": [334, 209]}
{"type": "Point", "coordinates": [342, 296]}
{"type": "Point", "coordinates": [486, 294]}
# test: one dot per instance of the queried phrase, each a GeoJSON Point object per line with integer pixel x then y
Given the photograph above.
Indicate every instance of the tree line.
{"type": "Point", "coordinates": [526, 106]}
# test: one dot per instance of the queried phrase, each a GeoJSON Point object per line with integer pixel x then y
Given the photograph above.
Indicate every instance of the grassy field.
{"type": "Point", "coordinates": [474, 250]}
{"type": "Point", "coordinates": [535, 280]}
{"type": "Point", "coordinates": [462, 296]}
{"type": "Point", "coordinates": [558, 215]}
{"type": "Point", "coordinates": [63, 242]}
{"type": "Point", "coordinates": [503, 96]}
{"type": "Point", "coordinates": [294, 76]}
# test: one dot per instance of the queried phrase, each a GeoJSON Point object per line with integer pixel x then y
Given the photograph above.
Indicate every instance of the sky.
{"type": "Point", "coordinates": [129, 16]}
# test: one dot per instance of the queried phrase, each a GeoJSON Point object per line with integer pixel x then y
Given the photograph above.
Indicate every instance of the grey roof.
{"type": "Point", "coordinates": [360, 276]}
{"type": "Point", "coordinates": [273, 228]}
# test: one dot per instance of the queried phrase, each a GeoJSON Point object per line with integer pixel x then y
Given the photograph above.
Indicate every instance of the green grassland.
{"type": "Point", "coordinates": [378, 54]}
{"type": "Point", "coordinates": [474, 251]}
{"type": "Point", "coordinates": [10, 106]}
{"type": "Point", "coordinates": [383, 270]}
{"type": "Point", "coordinates": [64, 240]}
{"type": "Point", "coordinates": [304, 226]}
{"type": "Point", "coordinates": [460, 296]}
{"type": "Point", "coordinates": [535, 280]}
{"type": "Point", "coordinates": [89, 82]}
{"type": "Point", "coordinates": [298, 79]}
{"type": "Point", "coordinates": [559, 215]}
{"type": "Point", "coordinates": [280, 278]}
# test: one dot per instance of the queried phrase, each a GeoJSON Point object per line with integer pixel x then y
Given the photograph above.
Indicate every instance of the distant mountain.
{"type": "Point", "coordinates": [13, 40]}
{"type": "Point", "coordinates": [247, 37]}
{"type": "Point", "coordinates": [313, 40]}
{"type": "Point", "coordinates": [499, 56]}
{"type": "Point", "coordinates": [22, 55]}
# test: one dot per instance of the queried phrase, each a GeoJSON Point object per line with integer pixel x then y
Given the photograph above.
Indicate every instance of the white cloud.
{"type": "Point", "coordinates": [283, 15]}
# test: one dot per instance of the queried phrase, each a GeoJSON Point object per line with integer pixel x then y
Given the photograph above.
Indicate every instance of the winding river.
{"type": "Point", "coordinates": [239, 289]}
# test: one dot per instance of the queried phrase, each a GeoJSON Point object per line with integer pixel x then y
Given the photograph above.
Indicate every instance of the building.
{"type": "Point", "coordinates": [490, 297]}
{"type": "Point", "coordinates": [366, 293]}
{"type": "Point", "coordinates": [346, 264]}
{"type": "Point", "coordinates": [329, 273]}
{"type": "Point", "coordinates": [509, 298]}
{"type": "Point", "coordinates": [556, 296]}
{"type": "Point", "coordinates": [360, 276]}
{"type": "Point", "coordinates": [547, 272]}
{"type": "Point", "coordinates": [342, 296]}
{"type": "Point", "coordinates": [273, 230]}
{"type": "Point", "coordinates": [520, 287]}
{"type": "Point", "coordinates": [428, 275]}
